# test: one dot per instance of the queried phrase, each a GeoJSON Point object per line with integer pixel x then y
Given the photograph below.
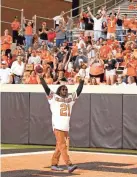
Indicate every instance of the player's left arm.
{"type": "Point", "coordinates": [80, 87]}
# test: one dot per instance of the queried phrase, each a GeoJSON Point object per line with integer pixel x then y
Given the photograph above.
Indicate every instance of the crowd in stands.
{"type": "Point", "coordinates": [104, 52]}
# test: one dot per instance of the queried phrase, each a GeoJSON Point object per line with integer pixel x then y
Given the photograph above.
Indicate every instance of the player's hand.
{"type": "Point", "coordinates": [40, 75]}
{"type": "Point", "coordinates": [82, 78]}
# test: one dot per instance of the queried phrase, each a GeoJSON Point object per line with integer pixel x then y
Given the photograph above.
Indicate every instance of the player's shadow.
{"type": "Point", "coordinates": [35, 173]}
{"type": "Point", "coordinates": [108, 167]}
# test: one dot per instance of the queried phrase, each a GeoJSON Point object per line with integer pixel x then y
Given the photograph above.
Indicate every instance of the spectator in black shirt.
{"type": "Point", "coordinates": [65, 45]}
{"type": "Point", "coordinates": [20, 39]}
{"type": "Point", "coordinates": [89, 22]}
{"type": "Point", "coordinates": [61, 79]}
{"type": "Point", "coordinates": [104, 30]}
{"type": "Point", "coordinates": [60, 55]}
{"type": "Point", "coordinates": [110, 68]}
{"type": "Point", "coordinates": [123, 43]}
{"type": "Point", "coordinates": [119, 31]}
{"type": "Point", "coordinates": [43, 31]}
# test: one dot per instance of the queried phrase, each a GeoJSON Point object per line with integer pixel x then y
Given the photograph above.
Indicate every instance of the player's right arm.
{"type": "Point", "coordinates": [44, 84]}
{"type": "Point", "coordinates": [76, 94]}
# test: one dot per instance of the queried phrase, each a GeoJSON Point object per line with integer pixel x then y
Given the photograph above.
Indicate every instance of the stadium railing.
{"type": "Point", "coordinates": [21, 15]}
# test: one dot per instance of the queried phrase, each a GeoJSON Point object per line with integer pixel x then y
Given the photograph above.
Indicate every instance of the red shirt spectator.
{"type": "Point", "coordinates": [51, 35]}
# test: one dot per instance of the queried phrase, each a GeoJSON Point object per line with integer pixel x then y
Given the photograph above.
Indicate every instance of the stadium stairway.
{"type": "Point", "coordinates": [124, 9]}
{"type": "Point", "coordinates": [123, 5]}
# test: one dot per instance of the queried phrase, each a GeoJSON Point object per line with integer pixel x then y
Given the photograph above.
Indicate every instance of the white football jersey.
{"type": "Point", "coordinates": [61, 110]}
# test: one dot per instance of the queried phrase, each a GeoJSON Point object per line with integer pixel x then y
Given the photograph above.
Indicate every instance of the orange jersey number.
{"type": "Point", "coordinates": [64, 109]}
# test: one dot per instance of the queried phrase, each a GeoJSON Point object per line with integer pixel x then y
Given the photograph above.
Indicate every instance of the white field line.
{"type": "Point", "coordinates": [103, 153]}
{"type": "Point", "coordinates": [74, 152]}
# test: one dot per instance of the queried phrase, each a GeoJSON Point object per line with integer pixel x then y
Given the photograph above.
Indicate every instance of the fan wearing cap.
{"type": "Point", "coordinates": [43, 34]}
{"type": "Point", "coordinates": [61, 104]}
{"type": "Point", "coordinates": [97, 24]}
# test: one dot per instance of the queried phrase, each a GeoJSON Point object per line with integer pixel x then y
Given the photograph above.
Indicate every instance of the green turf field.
{"type": "Point", "coordinates": [18, 146]}
{"type": "Point", "coordinates": [21, 146]}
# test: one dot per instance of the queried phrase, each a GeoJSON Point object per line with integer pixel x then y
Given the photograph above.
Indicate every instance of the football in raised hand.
{"type": "Point", "coordinates": [39, 69]}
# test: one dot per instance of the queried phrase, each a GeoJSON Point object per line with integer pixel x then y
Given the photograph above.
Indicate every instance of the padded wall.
{"type": "Point", "coordinates": [40, 130]}
{"type": "Point", "coordinates": [130, 121]}
{"type": "Point", "coordinates": [79, 126]}
{"type": "Point", "coordinates": [14, 118]}
{"type": "Point", "coordinates": [106, 121]}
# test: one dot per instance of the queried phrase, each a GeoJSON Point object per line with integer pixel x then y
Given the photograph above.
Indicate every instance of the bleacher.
{"type": "Point", "coordinates": [124, 9]}
{"type": "Point", "coordinates": [78, 35]}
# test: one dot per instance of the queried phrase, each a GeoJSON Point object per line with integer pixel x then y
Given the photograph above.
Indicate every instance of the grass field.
{"type": "Point", "coordinates": [18, 146]}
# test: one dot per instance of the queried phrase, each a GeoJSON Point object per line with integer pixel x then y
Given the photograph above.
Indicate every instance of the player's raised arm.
{"type": "Point", "coordinates": [80, 87]}
{"type": "Point", "coordinates": [39, 71]}
{"type": "Point", "coordinates": [44, 84]}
